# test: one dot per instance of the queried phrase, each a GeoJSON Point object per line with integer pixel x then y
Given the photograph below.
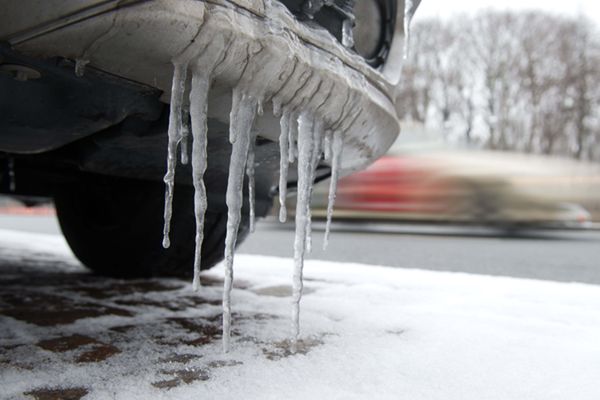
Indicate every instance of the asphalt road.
{"type": "Point", "coordinates": [565, 256]}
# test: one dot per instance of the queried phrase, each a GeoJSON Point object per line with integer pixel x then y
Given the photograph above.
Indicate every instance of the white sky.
{"type": "Point", "coordinates": [443, 8]}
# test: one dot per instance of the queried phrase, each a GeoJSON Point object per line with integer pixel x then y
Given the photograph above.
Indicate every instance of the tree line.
{"type": "Point", "coordinates": [527, 82]}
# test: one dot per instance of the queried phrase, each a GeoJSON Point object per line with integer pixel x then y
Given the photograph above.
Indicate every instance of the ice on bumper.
{"type": "Point", "coordinates": [324, 105]}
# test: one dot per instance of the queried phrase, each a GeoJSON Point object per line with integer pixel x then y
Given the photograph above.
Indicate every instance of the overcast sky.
{"type": "Point", "coordinates": [432, 8]}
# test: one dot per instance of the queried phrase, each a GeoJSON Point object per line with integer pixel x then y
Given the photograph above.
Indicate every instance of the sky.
{"type": "Point", "coordinates": [432, 8]}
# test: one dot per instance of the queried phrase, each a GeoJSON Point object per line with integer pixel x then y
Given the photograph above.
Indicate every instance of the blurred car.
{"type": "Point", "coordinates": [85, 87]}
{"type": "Point", "coordinates": [476, 187]}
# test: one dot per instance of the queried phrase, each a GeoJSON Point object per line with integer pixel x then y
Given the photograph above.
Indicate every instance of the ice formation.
{"type": "Point", "coordinates": [410, 7]}
{"type": "Point", "coordinates": [335, 152]}
{"type": "Point", "coordinates": [243, 111]}
{"type": "Point", "coordinates": [198, 112]}
{"type": "Point", "coordinates": [306, 130]}
{"type": "Point", "coordinates": [80, 65]}
{"type": "Point", "coordinates": [315, 119]}
{"type": "Point", "coordinates": [284, 148]}
{"type": "Point", "coordinates": [174, 133]}
{"type": "Point", "coordinates": [185, 134]}
{"type": "Point", "coordinates": [12, 186]}
{"type": "Point", "coordinates": [250, 173]}
{"type": "Point", "coordinates": [302, 139]}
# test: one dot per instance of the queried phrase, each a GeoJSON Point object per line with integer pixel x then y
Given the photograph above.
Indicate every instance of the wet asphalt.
{"type": "Point", "coordinates": [555, 255]}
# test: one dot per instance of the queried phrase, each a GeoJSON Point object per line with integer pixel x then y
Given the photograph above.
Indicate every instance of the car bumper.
{"type": "Point", "coordinates": [266, 49]}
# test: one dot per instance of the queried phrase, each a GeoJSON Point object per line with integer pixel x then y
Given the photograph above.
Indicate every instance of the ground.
{"type": "Point", "coordinates": [367, 332]}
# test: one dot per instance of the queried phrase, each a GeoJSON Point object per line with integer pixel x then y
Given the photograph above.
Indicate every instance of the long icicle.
{"type": "Point", "coordinates": [336, 159]}
{"type": "Point", "coordinates": [185, 134]}
{"type": "Point", "coordinates": [177, 90]}
{"type": "Point", "coordinates": [243, 112]}
{"type": "Point", "coordinates": [305, 142]}
{"type": "Point", "coordinates": [284, 146]}
{"type": "Point", "coordinates": [198, 110]}
{"type": "Point", "coordinates": [251, 182]}
{"type": "Point", "coordinates": [317, 136]}
{"type": "Point", "coordinates": [292, 136]}
{"type": "Point", "coordinates": [410, 7]}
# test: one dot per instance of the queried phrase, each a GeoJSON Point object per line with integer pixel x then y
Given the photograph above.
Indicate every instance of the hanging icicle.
{"type": "Point", "coordinates": [198, 112]}
{"type": "Point", "coordinates": [185, 134]}
{"type": "Point", "coordinates": [243, 112]}
{"type": "Point", "coordinates": [177, 90]}
{"type": "Point", "coordinates": [317, 140]}
{"type": "Point", "coordinates": [284, 147]}
{"type": "Point", "coordinates": [250, 174]}
{"type": "Point", "coordinates": [336, 159]}
{"type": "Point", "coordinates": [305, 150]}
{"type": "Point", "coordinates": [410, 7]}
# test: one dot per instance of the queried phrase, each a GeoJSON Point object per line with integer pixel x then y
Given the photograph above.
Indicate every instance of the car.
{"type": "Point", "coordinates": [95, 96]}
{"type": "Point", "coordinates": [504, 190]}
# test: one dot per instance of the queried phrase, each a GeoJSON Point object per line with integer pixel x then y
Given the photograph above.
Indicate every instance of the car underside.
{"type": "Point", "coordinates": [85, 88]}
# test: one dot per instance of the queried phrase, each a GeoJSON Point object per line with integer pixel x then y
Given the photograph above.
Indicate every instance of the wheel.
{"type": "Point", "coordinates": [114, 227]}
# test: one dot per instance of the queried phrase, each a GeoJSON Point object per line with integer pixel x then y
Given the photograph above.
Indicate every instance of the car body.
{"type": "Point", "coordinates": [85, 87]}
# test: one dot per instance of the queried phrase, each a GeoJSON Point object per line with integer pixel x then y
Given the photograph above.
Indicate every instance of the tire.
{"type": "Point", "coordinates": [114, 227]}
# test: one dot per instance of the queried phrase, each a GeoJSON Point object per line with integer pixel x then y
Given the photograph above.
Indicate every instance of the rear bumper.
{"type": "Point", "coordinates": [259, 44]}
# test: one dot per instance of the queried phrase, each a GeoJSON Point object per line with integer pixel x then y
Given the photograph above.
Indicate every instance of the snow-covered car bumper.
{"type": "Point", "coordinates": [256, 44]}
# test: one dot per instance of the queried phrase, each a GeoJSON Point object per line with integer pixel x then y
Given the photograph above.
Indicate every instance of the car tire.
{"type": "Point", "coordinates": [115, 226]}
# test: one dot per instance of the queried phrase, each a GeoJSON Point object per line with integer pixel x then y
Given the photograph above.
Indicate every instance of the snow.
{"type": "Point", "coordinates": [368, 332]}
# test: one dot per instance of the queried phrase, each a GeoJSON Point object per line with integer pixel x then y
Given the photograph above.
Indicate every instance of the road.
{"type": "Point", "coordinates": [564, 256]}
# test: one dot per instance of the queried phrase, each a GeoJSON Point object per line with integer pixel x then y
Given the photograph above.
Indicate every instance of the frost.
{"type": "Point", "coordinates": [198, 112]}
{"type": "Point", "coordinates": [174, 133]}
{"type": "Point", "coordinates": [335, 151]}
{"type": "Point", "coordinates": [243, 112]}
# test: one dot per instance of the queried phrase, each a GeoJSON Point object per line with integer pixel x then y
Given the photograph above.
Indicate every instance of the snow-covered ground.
{"type": "Point", "coordinates": [367, 332]}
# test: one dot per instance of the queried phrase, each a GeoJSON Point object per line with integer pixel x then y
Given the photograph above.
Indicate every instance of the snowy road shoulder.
{"type": "Point", "coordinates": [367, 332]}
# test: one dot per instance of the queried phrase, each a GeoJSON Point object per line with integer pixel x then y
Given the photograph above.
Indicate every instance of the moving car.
{"type": "Point", "coordinates": [87, 110]}
{"type": "Point", "coordinates": [506, 190]}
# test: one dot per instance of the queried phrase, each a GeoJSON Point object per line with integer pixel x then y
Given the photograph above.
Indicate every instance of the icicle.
{"type": "Point", "coordinates": [410, 7]}
{"type": "Point", "coordinates": [260, 108]}
{"type": "Point", "coordinates": [185, 134]}
{"type": "Point", "coordinates": [243, 112]}
{"type": "Point", "coordinates": [292, 137]}
{"type": "Point", "coordinates": [198, 110]}
{"type": "Point", "coordinates": [12, 185]}
{"type": "Point", "coordinates": [336, 159]}
{"type": "Point", "coordinates": [305, 150]}
{"type": "Point", "coordinates": [317, 137]}
{"type": "Point", "coordinates": [276, 107]}
{"type": "Point", "coordinates": [284, 145]}
{"type": "Point", "coordinates": [250, 173]}
{"type": "Point", "coordinates": [177, 89]}
{"type": "Point", "coordinates": [347, 33]}
{"type": "Point", "coordinates": [80, 65]}
{"type": "Point", "coordinates": [327, 145]}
